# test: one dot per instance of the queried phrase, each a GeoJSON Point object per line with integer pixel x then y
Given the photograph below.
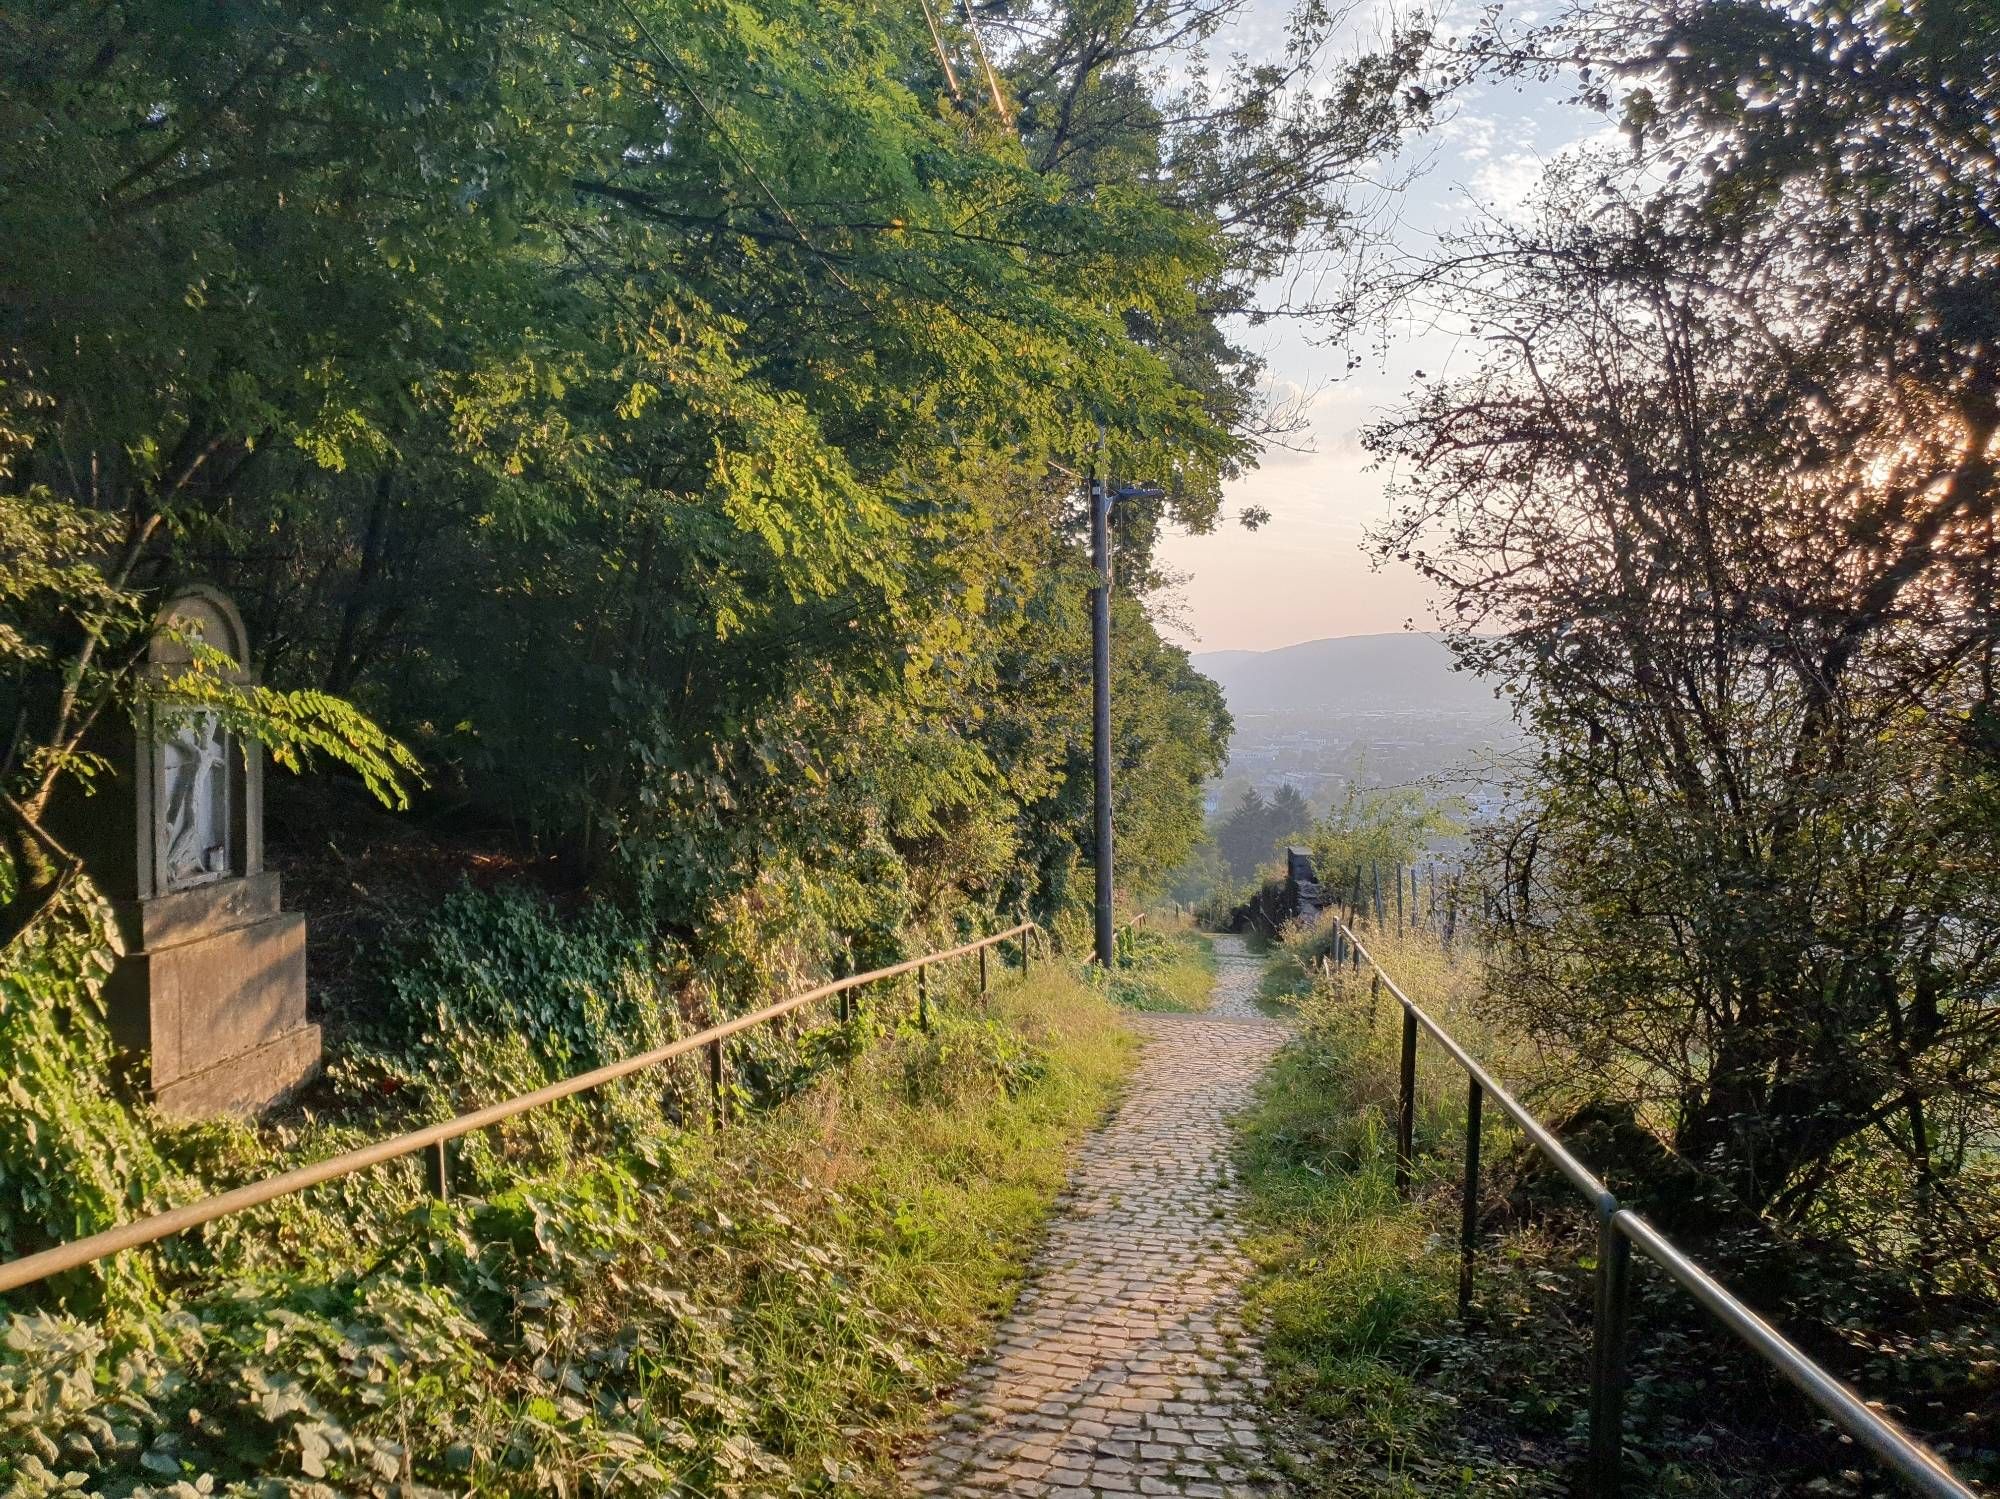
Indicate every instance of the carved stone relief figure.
{"type": "Point", "coordinates": [195, 812]}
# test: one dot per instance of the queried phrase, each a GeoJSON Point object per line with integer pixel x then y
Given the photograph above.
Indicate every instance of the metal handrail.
{"type": "Point", "coordinates": [434, 1137]}
{"type": "Point", "coordinates": [1619, 1231]}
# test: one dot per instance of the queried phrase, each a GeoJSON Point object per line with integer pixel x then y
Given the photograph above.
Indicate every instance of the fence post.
{"type": "Point", "coordinates": [1468, 1217]}
{"type": "Point", "coordinates": [1607, 1353]}
{"type": "Point", "coordinates": [1399, 900]}
{"type": "Point", "coordinates": [923, 997]}
{"type": "Point", "coordinates": [1375, 879]}
{"type": "Point", "coordinates": [982, 971]}
{"type": "Point", "coordinates": [1026, 949]}
{"type": "Point", "coordinates": [718, 1105]}
{"type": "Point", "coordinates": [437, 1170]}
{"type": "Point", "coordinates": [1406, 1107]}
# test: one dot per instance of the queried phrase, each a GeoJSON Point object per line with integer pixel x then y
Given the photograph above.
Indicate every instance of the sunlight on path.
{"type": "Point", "coordinates": [1124, 1368]}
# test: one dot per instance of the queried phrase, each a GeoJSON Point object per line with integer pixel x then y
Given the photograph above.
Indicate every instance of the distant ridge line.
{"type": "Point", "coordinates": [1392, 672]}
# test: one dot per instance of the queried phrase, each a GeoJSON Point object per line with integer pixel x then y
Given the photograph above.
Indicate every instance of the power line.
{"type": "Point", "coordinates": [937, 41]}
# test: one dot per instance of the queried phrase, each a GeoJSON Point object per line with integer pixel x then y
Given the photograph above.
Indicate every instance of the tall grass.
{"type": "Point", "coordinates": [1384, 1390]}
{"type": "Point", "coordinates": [1168, 967]}
{"type": "Point", "coordinates": [1355, 1287]}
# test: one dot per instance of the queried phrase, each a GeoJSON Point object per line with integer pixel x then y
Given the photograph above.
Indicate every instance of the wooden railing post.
{"type": "Point", "coordinates": [923, 997]}
{"type": "Point", "coordinates": [718, 1103]}
{"type": "Point", "coordinates": [437, 1170]}
{"type": "Point", "coordinates": [983, 987]}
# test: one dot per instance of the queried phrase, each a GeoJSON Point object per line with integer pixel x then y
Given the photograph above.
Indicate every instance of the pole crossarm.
{"type": "Point", "coordinates": [151, 1229]}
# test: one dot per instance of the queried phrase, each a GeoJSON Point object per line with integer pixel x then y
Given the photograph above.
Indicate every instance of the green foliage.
{"type": "Point", "coordinates": [1387, 1392]}
{"type": "Point", "coordinates": [1162, 970]}
{"type": "Point", "coordinates": [75, 1157]}
{"type": "Point", "coordinates": [295, 728]}
{"type": "Point", "coordinates": [51, 575]}
{"type": "Point", "coordinates": [658, 415]}
{"type": "Point", "coordinates": [1753, 628]}
{"type": "Point", "coordinates": [1377, 829]}
{"type": "Point", "coordinates": [769, 1309]}
{"type": "Point", "coordinates": [1252, 833]}
{"type": "Point", "coordinates": [577, 992]}
{"type": "Point", "coordinates": [645, 413]}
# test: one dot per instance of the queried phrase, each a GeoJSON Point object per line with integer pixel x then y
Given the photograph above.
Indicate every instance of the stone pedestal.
{"type": "Point", "coordinates": [212, 992]}
{"type": "Point", "coordinates": [209, 996]}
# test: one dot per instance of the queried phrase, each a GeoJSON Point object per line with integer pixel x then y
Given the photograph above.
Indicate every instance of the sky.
{"type": "Point", "coordinates": [1305, 575]}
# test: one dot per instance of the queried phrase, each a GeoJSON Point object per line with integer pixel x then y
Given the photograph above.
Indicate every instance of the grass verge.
{"type": "Point", "coordinates": [768, 1310]}
{"type": "Point", "coordinates": [1378, 1387]}
{"type": "Point", "coordinates": [1171, 969]}
{"type": "Point", "coordinates": [1354, 1289]}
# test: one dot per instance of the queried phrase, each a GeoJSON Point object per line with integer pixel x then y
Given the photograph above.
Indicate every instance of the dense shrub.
{"type": "Point", "coordinates": [74, 1156]}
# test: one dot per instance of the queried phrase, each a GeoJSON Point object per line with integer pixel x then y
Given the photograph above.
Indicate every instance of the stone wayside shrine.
{"type": "Point", "coordinates": [209, 996]}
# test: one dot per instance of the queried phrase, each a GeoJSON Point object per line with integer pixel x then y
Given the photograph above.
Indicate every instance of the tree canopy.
{"type": "Point", "coordinates": [1718, 502]}
{"type": "Point", "coordinates": [663, 418]}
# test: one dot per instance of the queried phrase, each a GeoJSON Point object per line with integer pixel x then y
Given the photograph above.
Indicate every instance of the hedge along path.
{"type": "Point", "coordinates": [1124, 1367]}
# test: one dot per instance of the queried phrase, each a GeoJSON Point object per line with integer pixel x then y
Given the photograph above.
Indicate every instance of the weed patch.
{"type": "Point", "coordinates": [615, 1304]}
{"type": "Point", "coordinates": [1169, 971]}
{"type": "Point", "coordinates": [1378, 1387]}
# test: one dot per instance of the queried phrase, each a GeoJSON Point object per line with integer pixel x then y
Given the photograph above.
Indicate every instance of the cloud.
{"type": "Point", "coordinates": [1325, 416]}
{"type": "Point", "coordinates": [1470, 135]}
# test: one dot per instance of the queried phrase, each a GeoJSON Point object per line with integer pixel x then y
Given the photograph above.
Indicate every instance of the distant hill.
{"type": "Point", "coordinates": [1365, 673]}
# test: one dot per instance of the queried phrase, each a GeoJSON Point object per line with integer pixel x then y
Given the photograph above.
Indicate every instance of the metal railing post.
{"type": "Point", "coordinates": [1468, 1215]}
{"type": "Point", "coordinates": [1607, 1354]}
{"type": "Point", "coordinates": [437, 1170]}
{"type": "Point", "coordinates": [983, 986]}
{"type": "Point", "coordinates": [718, 1105]}
{"type": "Point", "coordinates": [1406, 1104]}
{"type": "Point", "coordinates": [923, 999]}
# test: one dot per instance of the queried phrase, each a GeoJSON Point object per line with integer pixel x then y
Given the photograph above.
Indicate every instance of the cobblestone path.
{"type": "Point", "coordinates": [1124, 1368]}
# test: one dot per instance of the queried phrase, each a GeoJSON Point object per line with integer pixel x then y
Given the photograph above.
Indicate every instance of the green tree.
{"type": "Point", "coordinates": [1376, 830]}
{"type": "Point", "coordinates": [1719, 504]}
{"type": "Point", "coordinates": [663, 418]}
{"type": "Point", "coordinates": [1243, 835]}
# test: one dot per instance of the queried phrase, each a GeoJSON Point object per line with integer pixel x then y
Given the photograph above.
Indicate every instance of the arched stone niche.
{"type": "Point", "coordinates": [205, 794]}
{"type": "Point", "coordinates": [209, 996]}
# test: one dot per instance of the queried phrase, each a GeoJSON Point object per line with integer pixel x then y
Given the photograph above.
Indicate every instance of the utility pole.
{"type": "Point", "coordinates": [1102, 493]}
{"type": "Point", "coordinates": [1100, 700]}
